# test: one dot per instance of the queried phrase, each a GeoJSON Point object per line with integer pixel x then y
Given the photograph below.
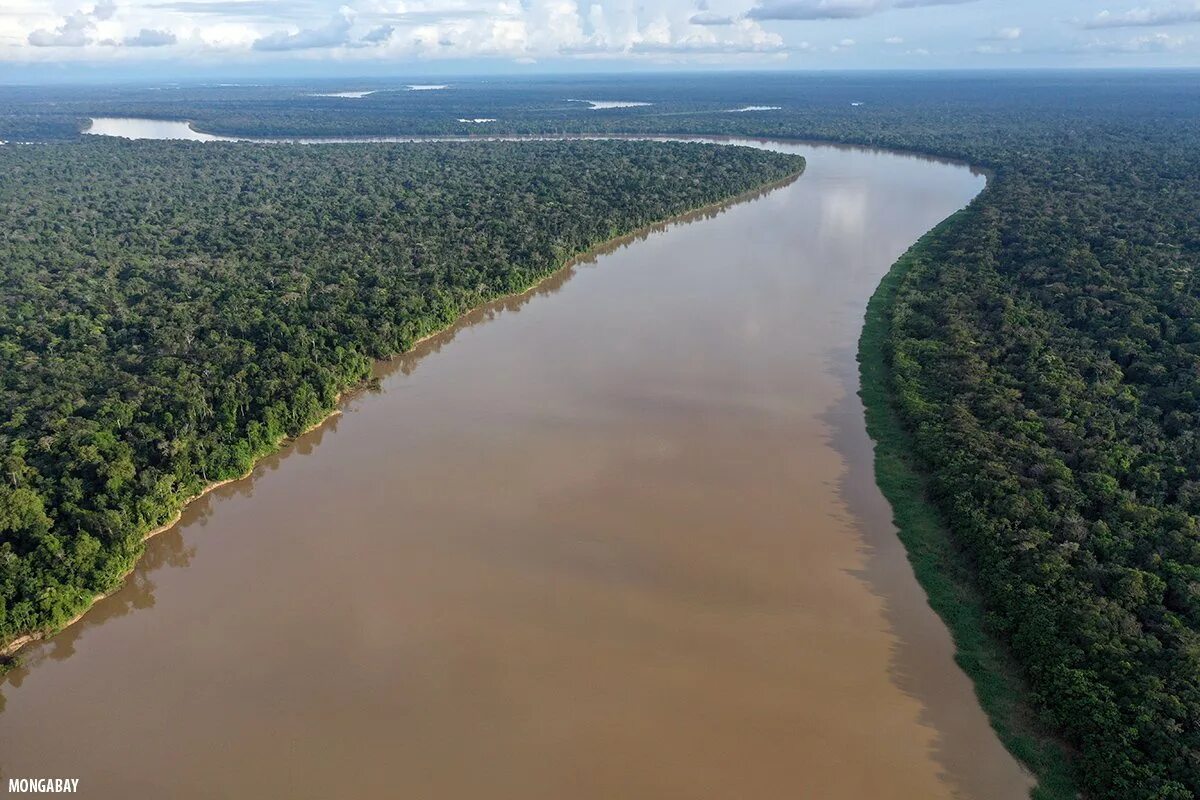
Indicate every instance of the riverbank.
{"type": "Point", "coordinates": [9, 651]}
{"type": "Point", "coordinates": [574, 512]}
{"type": "Point", "coordinates": [941, 568]}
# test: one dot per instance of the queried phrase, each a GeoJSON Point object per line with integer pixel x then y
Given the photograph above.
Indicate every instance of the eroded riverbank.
{"type": "Point", "coordinates": [621, 540]}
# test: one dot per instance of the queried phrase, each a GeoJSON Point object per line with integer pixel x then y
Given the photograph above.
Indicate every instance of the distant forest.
{"type": "Point", "coordinates": [1044, 351]}
{"type": "Point", "coordinates": [170, 311]}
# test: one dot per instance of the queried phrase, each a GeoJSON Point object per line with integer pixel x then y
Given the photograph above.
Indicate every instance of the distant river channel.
{"type": "Point", "coordinates": [618, 537]}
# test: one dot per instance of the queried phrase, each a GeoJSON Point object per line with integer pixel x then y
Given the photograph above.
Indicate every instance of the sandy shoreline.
{"type": "Point", "coordinates": [9, 650]}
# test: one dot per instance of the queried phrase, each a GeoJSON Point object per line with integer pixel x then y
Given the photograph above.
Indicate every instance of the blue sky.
{"type": "Point", "coordinates": [445, 36]}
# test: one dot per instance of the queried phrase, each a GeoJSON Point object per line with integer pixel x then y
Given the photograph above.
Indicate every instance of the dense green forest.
{"type": "Point", "coordinates": [1045, 353]}
{"type": "Point", "coordinates": [1043, 349]}
{"type": "Point", "coordinates": [170, 311]}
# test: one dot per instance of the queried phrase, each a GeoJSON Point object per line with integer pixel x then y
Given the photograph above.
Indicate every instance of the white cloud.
{"type": "Point", "coordinates": [709, 18]}
{"type": "Point", "coordinates": [378, 35]}
{"type": "Point", "coordinates": [1150, 43]}
{"type": "Point", "coordinates": [700, 47]}
{"type": "Point", "coordinates": [225, 36]}
{"type": "Point", "coordinates": [75, 30]}
{"type": "Point", "coordinates": [335, 32]}
{"type": "Point", "coordinates": [148, 37]}
{"type": "Point", "coordinates": [1145, 16]}
{"type": "Point", "coordinates": [598, 30]}
{"type": "Point", "coordinates": [717, 32]}
{"type": "Point", "coordinates": [836, 9]}
{"type": "Point", "coordinates": [1003, 39]}
{"type": "Point", "coordinates": [815, 9]}
{"type": "Point", "coordinates": [996, 50]}
{"type": "Point", "coordinates": [67, 35]}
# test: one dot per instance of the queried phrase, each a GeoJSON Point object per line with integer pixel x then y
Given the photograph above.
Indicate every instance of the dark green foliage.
{"type": "Point", "coordinates": [1048, 370]}
{"type": "Point", "coordinates": [1044, 352]}
{"type": "Point", "coordinates": [170, 311]}
{"type": "Point", "coordinates": [941, 566]}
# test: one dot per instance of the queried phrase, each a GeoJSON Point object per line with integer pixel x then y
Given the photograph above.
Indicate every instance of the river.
{"type": "Point", "coordinates": [618, 537]}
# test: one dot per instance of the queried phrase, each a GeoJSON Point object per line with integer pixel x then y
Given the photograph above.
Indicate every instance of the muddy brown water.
{"type": "Point", "coordinates": [618, 537]}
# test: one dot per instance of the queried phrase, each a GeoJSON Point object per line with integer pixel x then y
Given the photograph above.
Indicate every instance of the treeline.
{"type": "Point", "coordinates": [1045, 354]}
{"type": "Point", "coordinates": [170, 311]}
{"type": "Point", "coordinates": [1045, 350]}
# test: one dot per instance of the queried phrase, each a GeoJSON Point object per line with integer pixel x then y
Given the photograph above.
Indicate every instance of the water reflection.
{"type": "Point", "coordinates": [844, 211]}
{"type": "Point", "coordinates": [140, 128]}
{"type": "Point", "coordinates": [406, 363]}
{"type": "Point", "coordinates": [167, 549]}
{"type": "Point", "coordinates": [137, 593]}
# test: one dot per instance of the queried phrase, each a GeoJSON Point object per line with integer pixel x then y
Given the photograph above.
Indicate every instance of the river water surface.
{"type": "Point", "coordinates": [616, 538]}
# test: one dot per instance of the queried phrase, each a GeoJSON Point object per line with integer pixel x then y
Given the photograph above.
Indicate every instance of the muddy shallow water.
{"type": "Point", "coordinates": [616, 538]}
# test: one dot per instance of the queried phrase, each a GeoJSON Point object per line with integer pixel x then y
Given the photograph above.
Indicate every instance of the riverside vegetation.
{"type": "Point", "coordinates": [1041, 355]}
{"type": "Point", "coordinates": [169, 312]}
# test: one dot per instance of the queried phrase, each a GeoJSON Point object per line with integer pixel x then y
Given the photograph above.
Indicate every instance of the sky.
{"type": "Point", "coordinates": [130, 37]}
